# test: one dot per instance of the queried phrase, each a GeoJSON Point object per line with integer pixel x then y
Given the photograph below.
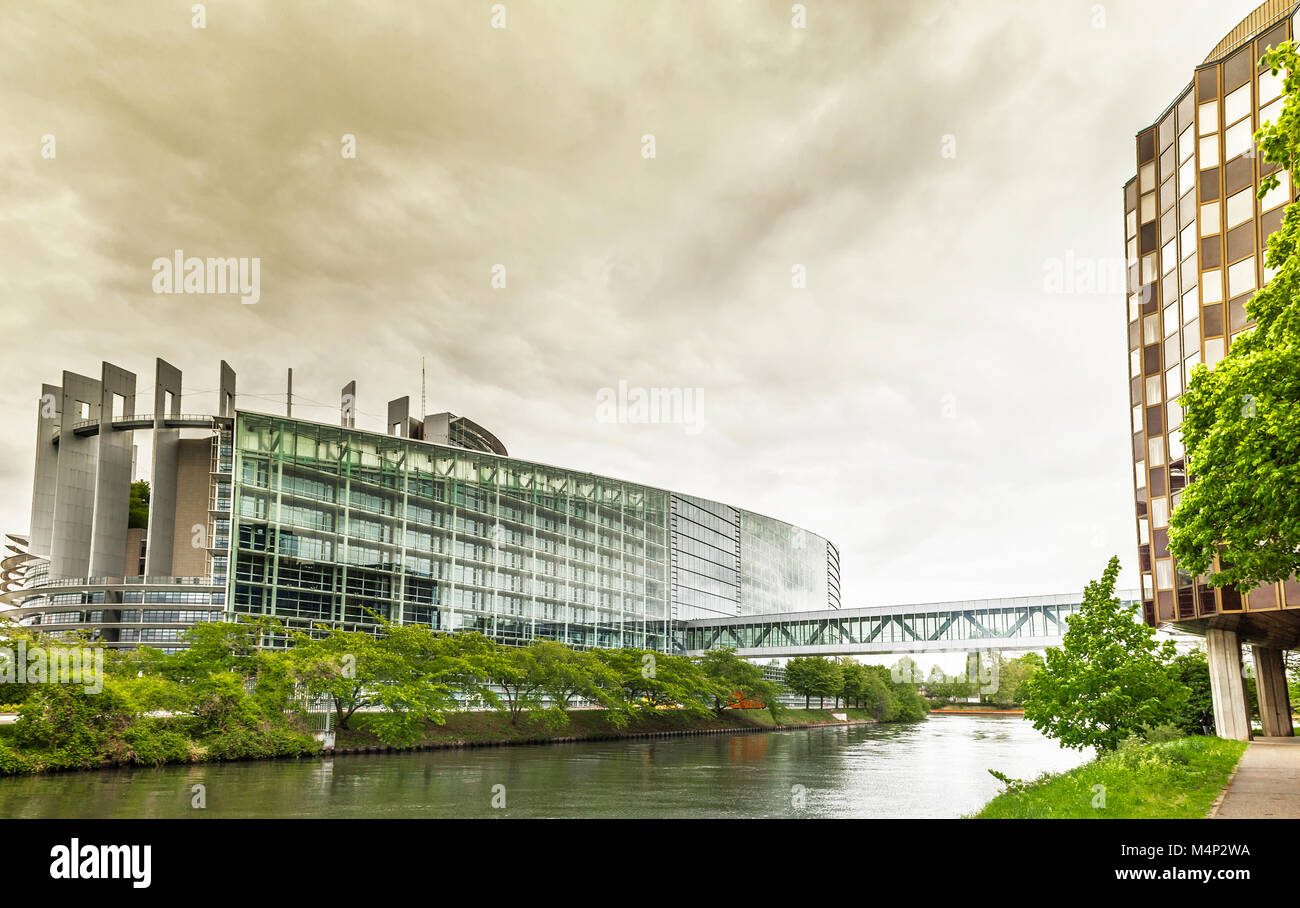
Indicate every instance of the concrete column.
{"type": "Point", "coordinates": [1231, 718]}
{"type": "Point", "coordinates": [162, 482]}
{"type": "Point", "coordinates": [1270, 687]}
{"type": "Point", "coordinates": [74, 494]}
{"type": "Point", "coordinates": [46, 479]}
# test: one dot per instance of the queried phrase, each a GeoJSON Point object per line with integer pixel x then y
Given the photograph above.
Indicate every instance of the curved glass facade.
{"type": "Point", "coordinates": [338, 525]}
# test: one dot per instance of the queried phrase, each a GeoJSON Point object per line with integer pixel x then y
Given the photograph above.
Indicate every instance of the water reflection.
{"type": "Point", "coordinates": [937, 768]}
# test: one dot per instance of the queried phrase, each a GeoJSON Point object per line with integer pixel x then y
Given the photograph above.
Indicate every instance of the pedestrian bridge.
{"type": "Point", "coordinates": [1020, 623]}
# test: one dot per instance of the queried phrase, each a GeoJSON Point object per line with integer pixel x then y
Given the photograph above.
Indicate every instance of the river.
{"type": "Point", "coordinates": [935, 768]}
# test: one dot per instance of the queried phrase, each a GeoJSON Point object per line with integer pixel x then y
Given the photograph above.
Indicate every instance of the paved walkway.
{"type": "Point", "coordinates": [1267, 784]}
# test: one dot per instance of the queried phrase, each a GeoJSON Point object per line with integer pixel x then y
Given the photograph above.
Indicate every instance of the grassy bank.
{"type": "Point", "coordinates": [1176, 779]}
{"type": "Point", "coordinates": [486, 727]}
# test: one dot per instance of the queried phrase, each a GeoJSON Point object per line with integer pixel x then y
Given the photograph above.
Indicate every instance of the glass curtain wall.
{"type": "Point", "coordinates": [344, 527]}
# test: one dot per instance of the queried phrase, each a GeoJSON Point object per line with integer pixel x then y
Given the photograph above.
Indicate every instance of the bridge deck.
{"type": "Point", "coordinates": [1022, 623]}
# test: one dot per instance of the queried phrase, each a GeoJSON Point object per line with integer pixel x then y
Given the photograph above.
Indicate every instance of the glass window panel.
{"type": "Point", "coordinates": [1174, 382]}
{"type": "Point", "coordinates": [1214, 349]}
{"type": "Point", "coordinates": [1209, 152]}
{"type": "Point", "coordinates": [1171, 317]}
{"type": "Point", "coordinates": [1210, 219]}
{"type": "Point", "coordinates": [1270, 88]}
{"type": "Point", "coordinates": [1151, 329]}
{"type": "Point", "coordinates": [1164, 574]}
{"type": "Point", "coordinates": [1148, 209]}
{"type": "Point", "coordinates": [1156, 451]}
{"type": "Point", "coordinates": [1211, 287]}
{"type": "Point", "coordinates": [1207, 117]}
{"type": "Point", "coordinates": [1153, 390]}
{"type": "Point", "coordinates": [1187, 278]}
{"type": "Point", "coordinates": [1186, 145]}
{"type": "Point", "coordinates": [1241, 277]}
{"type": "Point", "coordinates": [1160, 512]}
{"type": "Point", "coordinates": [1237, 140]}
{"type": "Point", "coordinates": [1271, 114]}
{"type": "Point", "coordinates": [1278, 196]}
{"type": "Point", "coordinates": [1237, 104]}
{"type": "Point", "coordinates": [1240, 207]}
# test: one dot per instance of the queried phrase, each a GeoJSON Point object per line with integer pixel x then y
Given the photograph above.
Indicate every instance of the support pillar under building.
{"type": "Point", "coordinates": [1270, 687]}
{"type": "Point", "coordinates": [1227, 684]}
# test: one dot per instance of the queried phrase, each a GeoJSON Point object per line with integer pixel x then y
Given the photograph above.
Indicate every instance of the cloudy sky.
{"type": "Point", "coordinates": [925, 401]}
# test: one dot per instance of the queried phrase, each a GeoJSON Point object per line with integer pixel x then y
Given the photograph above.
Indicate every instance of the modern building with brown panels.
{"type": "Point", "coordinates": [1196, 236]}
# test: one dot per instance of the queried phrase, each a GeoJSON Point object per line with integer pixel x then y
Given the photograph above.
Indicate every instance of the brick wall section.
{"type": "Point", "coordinates": [193, 474]}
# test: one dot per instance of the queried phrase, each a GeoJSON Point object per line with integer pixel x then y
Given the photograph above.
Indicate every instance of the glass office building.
{"type": "Point", "coordinates": [432, 523]}
{"type": "Point", "coordinates": [336, 525]}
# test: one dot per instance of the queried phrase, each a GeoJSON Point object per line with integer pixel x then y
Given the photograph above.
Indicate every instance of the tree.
{"type": "Point", "coordinates": [855, 681]}
{"type": "Point", "coordinates": [878, 696]}
{"type": "Point", "coordinates": [340, 666]}
{"type": "Point", "coordinates": [1197, 714]}
{"type": "Point", "coordinates": [1238, 520]}
{"type": "Point", "coordinates": [567, 673]}
{"type": "Point", "coordinates": [800, 677]}
{"type": "Point", "coordinates": [1108, 679]}
{"type": "Point", "coordinates": [648, 680]}
{"type": "Point", "coordinates": [828, 680]}
{"type": "Point", "coordinates": [735, 678]}
{"type": "Point", "coordinates": [138, 509]}
{"type": "Point", "coordinates": [1011, 676]}
{"type": "Point", "coordinates": [515, 672]}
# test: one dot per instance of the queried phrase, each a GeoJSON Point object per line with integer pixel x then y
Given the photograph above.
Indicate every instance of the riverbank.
{"type": "Point", "coordinates": [491, 729]}
{"type": "Point", "coordinates": [1178, 779]}
{"type": "Point", "coordinates": [159, 742]}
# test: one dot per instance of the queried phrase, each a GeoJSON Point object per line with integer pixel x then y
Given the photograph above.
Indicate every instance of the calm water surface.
{"type": "Point", "coordinates": [936, 768]}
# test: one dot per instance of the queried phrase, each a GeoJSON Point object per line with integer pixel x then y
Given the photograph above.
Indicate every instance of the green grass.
{"type": "Point", "coordinates": [1171, 780]}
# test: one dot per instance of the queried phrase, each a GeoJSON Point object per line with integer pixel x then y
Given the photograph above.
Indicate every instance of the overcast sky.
{"type": "Point", "coordinates": [925, 402]}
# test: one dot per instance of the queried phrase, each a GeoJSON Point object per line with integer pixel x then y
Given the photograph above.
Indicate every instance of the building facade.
{"type": "Point", "coordinates": [432, 523]}
{"type": "Point", "coordinates": [1196, 237]}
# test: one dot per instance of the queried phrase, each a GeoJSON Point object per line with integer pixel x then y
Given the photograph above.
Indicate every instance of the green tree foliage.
{"type": "Point", "coordinates": [242, 689]}
{"type": "Point", "coordinates": [1238, 521]}
{"type": "Point", "coordinates": [1108, 680]}
{"type": "Point", "coordinates": [733, 678]}
{"type": "Point", "coordinates": [1197, 714]}
{"type": "Point", "coordinates": [1010, 676]}
{"type": "Point", "coordinates": [815, 676]}
{"type": "Point", "coordinates": [138, 509]}
{"type": "Point", "coordinates": [650, 681]}
{"type": "Point", "coordinates": [801, 678]}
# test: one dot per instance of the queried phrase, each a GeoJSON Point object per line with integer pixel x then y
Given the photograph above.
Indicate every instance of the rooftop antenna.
{"type": "Point", "coordinates": [423, 409]}
{"type": "Point", "coordinates": [288, 398]}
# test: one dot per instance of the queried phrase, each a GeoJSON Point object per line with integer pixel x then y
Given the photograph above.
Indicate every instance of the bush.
{"type": "Point", "coordinates": [1166, 732]}
{"type": "Point", "coordinates": [153, 743]}
{"type": "Point", "coordinates": [12, 762]}
{"type": "Point", "coordinates": [259, 742]}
